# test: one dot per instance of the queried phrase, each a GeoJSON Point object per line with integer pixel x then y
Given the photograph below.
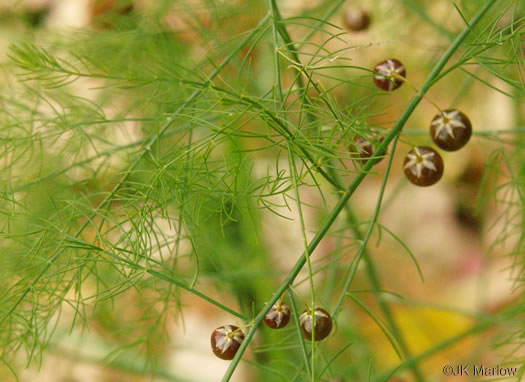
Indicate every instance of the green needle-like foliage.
{"type": "Point", "coordinates": [153, 161]}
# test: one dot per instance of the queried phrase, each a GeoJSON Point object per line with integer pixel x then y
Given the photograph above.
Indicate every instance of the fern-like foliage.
{"type": "Point", "coordinates": [178, 151]}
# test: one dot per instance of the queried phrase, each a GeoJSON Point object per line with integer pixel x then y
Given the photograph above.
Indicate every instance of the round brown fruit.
{"type": "Point", "coordinates": [278, 316]}
{"type": "Point", "coordinates": [389, 73]}
{"type": "Point", "coordinates": [225, 341]}
{"type": "Point", "coordinates": [322, 324]}
{"type": "Point", "coordinates": [356, 20]}
{"type": "Point", "coordinates": [423, 166]}
{"type": "Point", "coordinates": [364, 148]}
{"type": "Point", "coordinates": [450, 130]}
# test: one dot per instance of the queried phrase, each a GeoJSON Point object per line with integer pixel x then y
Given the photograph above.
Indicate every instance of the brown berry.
{"type": "Point", "coordinates": [225, 341]}
{"type": "Point", "coordinates": [450, 130]}
{"type": "Point", "coordinates": [322, 324]}
{"type": "Point", "coordinates": [278, 316]}
{"type": "Point", "coordinates": [388, 75]}
{"type": "Point", "coordinates": [364, 148]}
{"type": "Point", "coordinates": [356, 20]}
{"type": "Point", "coordinates": [423, 166]}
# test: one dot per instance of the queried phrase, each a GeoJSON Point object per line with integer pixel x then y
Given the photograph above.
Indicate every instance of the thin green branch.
{"type": "Point", "coordinates": [293, 174]}
{"type": "Point", "coordinates": [277, 66]}
{"type": "Point", "coordinates": [295, 314]}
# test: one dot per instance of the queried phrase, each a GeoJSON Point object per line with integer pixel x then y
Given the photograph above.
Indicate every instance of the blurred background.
{"type": "Point", "coordinates": [236, 244]}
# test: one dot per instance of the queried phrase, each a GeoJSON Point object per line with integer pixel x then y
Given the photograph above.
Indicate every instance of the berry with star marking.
{"type": "Point", "coordinates": [225, 341]}
{"type": "Point", "coordinates": [450, 130]}
{"type": "Point", "coordinates": [423, 166]}
{"type": "Point", "coordinates": [322, 324]}
{"type": "Point", "coordinates": [388, 75]}
{"type": "Point", "coordinates": [278, 316]}
{"type": "Point", "coordinates": [364, 148]}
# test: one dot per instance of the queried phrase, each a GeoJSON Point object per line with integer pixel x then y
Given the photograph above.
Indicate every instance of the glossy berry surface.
{"type": "Point", "coordinates": [225, 341]}
{"type": "Point", "coordinates": [450, 130]}
{"type": "Point", "coordinates": [278, 316]}
{"type": "Point", "coordinates": [364, 148]}
{"type": "Point", "coordinates": [388, 71]}
{"type": "Point", "coordinates": [322, 324]}
{"type": "Point", "coordinates": [356, 20]}
{"type": "Point", "coordinates": [423, 166]}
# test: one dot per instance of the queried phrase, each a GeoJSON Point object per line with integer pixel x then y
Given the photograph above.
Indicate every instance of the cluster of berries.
{"type": "Point", "coordinates": [450, 129]}
{"type": "Point", "coordinates": [316, 325]}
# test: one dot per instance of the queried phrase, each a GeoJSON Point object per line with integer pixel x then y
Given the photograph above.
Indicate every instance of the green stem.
{"type": "Point", "coordinates": [353, 186]}
{"type": "Point", "coordinates": [296, 313]}
{"type": "Point", "coordinates": [272, 7]}
{"type": "Point", "coordinates": [293, 175]}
